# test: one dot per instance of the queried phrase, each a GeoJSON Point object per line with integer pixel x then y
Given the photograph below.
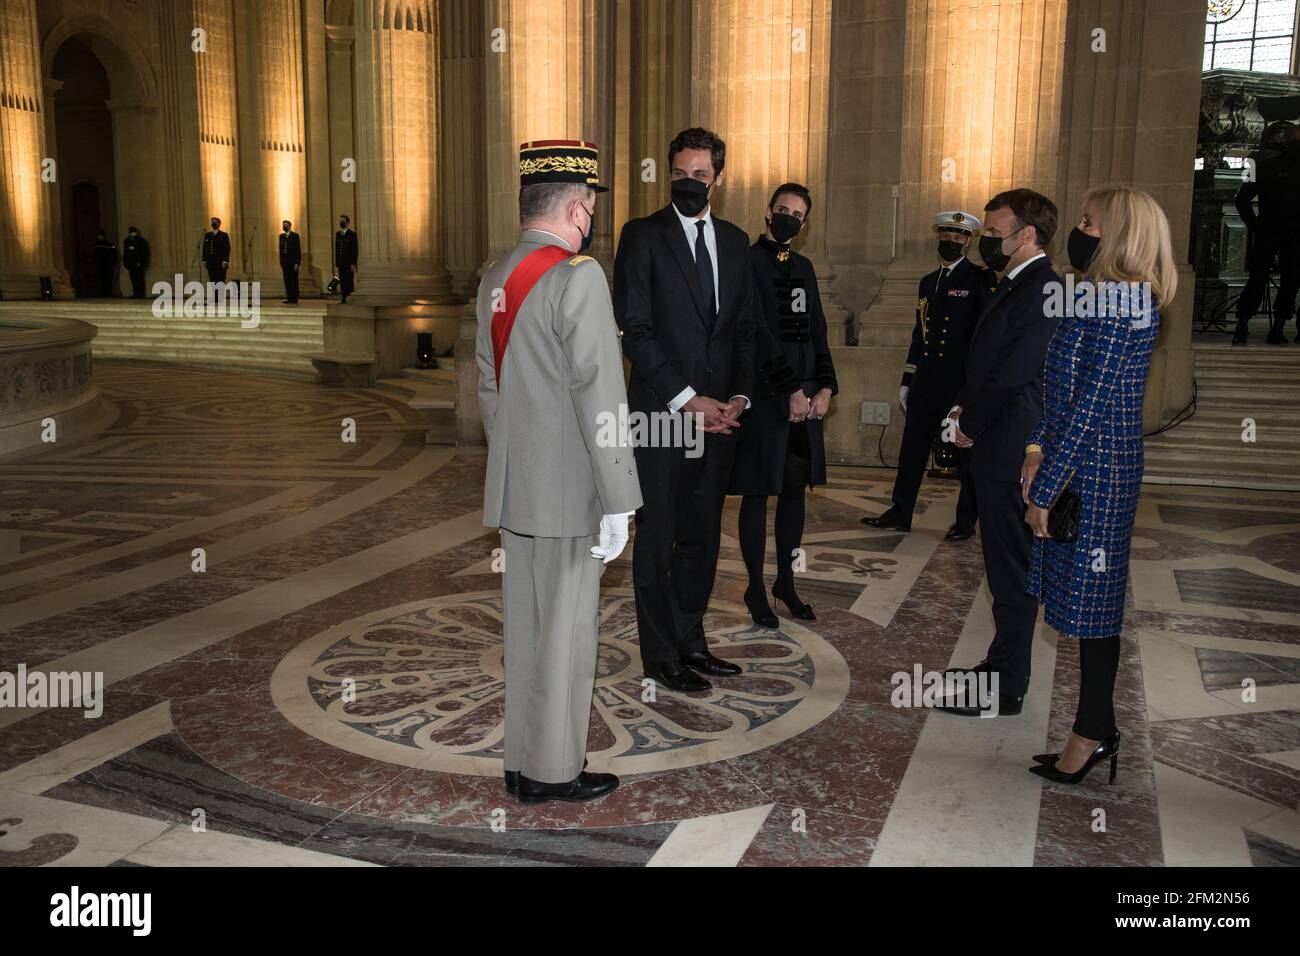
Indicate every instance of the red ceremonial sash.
{"type": "Point", "coordinates": [531, 268]}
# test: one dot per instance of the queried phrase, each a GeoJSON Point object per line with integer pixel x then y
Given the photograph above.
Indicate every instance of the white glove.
{"type": "Point", "coordinates": [902, 396]}
{"type": "Point", "coordinates": [613, 536]}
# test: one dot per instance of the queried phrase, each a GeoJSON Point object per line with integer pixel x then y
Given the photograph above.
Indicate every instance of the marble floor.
{"type": "Point", "coordinates": [296, 615]}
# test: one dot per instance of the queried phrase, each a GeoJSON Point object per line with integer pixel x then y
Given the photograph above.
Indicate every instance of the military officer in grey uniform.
{"type": "Point", "coordinates": [559, 484]}
{"type": "Point", "coordinates": [949, 302]}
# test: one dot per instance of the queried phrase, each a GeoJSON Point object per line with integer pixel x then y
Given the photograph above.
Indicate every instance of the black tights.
{"type": "Point", "coordinates": [789, 530]}
{"type": "Point", "coordinates": [1098, 664]}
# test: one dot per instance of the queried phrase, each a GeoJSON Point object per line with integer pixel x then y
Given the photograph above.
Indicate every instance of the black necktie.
{"type": "Point", "coordinates": [943, 274]}
{"type": "Point", "coordinates": [704, 267]}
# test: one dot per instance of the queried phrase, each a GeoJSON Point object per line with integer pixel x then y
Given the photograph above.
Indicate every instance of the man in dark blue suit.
{"type": "Point", "coordinates": [684, 301]}
{"type": "Point", "coordinates": [996, 411]}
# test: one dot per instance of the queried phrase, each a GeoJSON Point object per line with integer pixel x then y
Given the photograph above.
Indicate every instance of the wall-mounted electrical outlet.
{"type": "Point", "coordinates": [875, 413]}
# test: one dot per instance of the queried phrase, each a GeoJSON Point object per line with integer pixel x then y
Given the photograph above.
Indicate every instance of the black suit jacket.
{"type": "Point", "coordinates": [290, 249]}
{"type": "Point", "coordinates": [660, 310]}
{"type": "Point", "coordinates": [1002, 400]}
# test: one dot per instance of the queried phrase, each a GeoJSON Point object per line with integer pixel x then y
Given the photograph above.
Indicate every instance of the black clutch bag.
{"type": "Point", "coordinates": [1063, 518]}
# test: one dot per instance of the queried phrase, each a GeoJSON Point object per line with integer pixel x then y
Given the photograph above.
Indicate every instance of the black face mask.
{"type": "Point", "coordinates": [690, 196]}
{"type": "Point", "coordinates": [1080, 248]}
{"type": "Point", "coordinates": [992, 254]}
{"type": "Point", "coordinates": [950, 250]}
{"type": "Point", "coordinates": [591, 231]}
{"type": "Point", "coordinates": [784, 226]}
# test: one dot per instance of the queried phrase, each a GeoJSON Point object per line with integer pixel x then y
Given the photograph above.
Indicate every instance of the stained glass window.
{"type": "Point", "coordinates": [1249, 35]}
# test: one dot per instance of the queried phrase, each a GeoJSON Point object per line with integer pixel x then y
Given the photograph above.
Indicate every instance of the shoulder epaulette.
{"type": "Point", "coordinates": [579, 260]}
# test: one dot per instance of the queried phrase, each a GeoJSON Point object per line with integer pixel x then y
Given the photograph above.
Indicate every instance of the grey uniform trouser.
{"type": "Point", "coordinates": [552, 588]}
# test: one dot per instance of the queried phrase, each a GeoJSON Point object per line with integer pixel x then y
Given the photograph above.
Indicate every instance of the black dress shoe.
{"type": "Point", "coordinates": [676, 676]}
{"type": "Point", "coordinates": [512, 781]}
{"type": "Point", "coordinates": [959, 534]}
{"type": "Point", "coordinates": [1007, 707]}
{"type": "Point", "coordinates": [706, 663]}
{"type": "Point", "coordinates": [888, 521]}
{"type": "Point", "coordinates": [759, 609]}
{"type": "Point", "coordinates": [585, 786]}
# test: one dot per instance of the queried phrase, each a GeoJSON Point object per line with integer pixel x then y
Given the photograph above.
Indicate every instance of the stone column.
{"type": "Point", "coordinates": [462, 48]}
{"type": "Point", "coordinates": [342, 194]}
{"type": "Point", "coordinates": [317, 244]}
{"type": "Point", "coordinates": [29, 241]}
{"type": "Point", "coordinates": [397, 145]}
{"type": "Point", "coordinates": [218, 117]}
{"type": "Point", "coordinates": [547, 74]}
{"type": "Point", "coordinates": [1129, 116]}
{"type": "Point", "coordinates": [977, 118]}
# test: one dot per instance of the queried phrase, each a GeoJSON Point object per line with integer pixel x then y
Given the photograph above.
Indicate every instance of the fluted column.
{"type": "Point", "coordinates": [342, 195]}
{"type": "Point", "coordinates": [1126, 111]}
{"type": "Point", "coordinates": [218, 117]}
{"type": "Point", "coordinates": [761, 72]}
{"type": "Point", "coordinates": [977, 118]}
{"type": "Point", "coordinates": [27, 205]}
{"type": "Point", "coordinates": [463, 47]}
{"type": "Point", "coordinates": [397, 142]}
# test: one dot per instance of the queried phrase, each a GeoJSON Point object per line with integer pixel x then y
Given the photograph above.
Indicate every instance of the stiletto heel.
{"type": "Point", "coordinates": [760, 612]}
{"type": "Point", "coordinates": [1108, 748]}
{"type": "Point", "coordinates": [803, 612]}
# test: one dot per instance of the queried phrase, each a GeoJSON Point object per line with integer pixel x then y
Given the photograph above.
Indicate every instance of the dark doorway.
{"type": "Point", "coordinates": [84, 130]}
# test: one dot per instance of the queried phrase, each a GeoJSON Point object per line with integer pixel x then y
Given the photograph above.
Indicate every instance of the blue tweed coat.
{"type": "Point", "coordinates": [1091, 433]}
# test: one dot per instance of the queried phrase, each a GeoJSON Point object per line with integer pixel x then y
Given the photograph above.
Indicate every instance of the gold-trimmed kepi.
{"type": "Point", "coordinates": [560, 161]}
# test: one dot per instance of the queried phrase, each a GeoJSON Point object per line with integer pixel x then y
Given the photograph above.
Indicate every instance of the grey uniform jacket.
{"type": "Point", "coordinates": [561, 387]}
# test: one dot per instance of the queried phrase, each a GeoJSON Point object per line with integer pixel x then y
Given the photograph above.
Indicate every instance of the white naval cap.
{"type": "Point", "coordinates": [957, 220]}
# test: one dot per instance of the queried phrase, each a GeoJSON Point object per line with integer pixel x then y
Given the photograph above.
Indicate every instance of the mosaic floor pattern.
{"type": "Point", "coordinates": [238, 551]}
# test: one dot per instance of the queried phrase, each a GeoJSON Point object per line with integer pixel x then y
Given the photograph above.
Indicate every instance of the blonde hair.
{"type": "Point", "coordinates": [1135, 243]}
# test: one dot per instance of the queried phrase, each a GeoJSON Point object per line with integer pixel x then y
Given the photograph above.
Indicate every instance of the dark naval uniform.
{"type": "Point", "coordinates": [216, 253]}
{"type": "Point", "coordinates": [290, 258]}
{"type": "Point", "coordinates": [949, 302]}
{"type": "Point", "coordinates": [345, 257]}
{"type": "Point", "coordinates": [135, 257]}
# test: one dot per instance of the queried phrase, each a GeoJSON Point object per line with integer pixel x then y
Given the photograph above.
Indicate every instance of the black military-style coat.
{"type": "Point", "coordinates": [290, 249]}
{"type": "Point", "coordinates": [790, 351]}
{"type": "Point", "coordinates": [216, 247]}
{"type": "Point", "coordinates": [345, 248]}
{"type": "Point", "coordinates": [946, 313]}
{"type": "Point", "coordinates": [135, 252]}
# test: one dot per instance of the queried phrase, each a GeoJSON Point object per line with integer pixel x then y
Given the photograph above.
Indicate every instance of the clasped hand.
{"type": "Point", "coordinates": [719, 417]}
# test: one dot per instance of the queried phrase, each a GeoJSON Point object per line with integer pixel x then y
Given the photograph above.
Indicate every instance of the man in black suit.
{"type": "Point", "coordinates": [216, 251]}
{"type": "Point", "coordinates": [345, 257]}
{"type": "Point", "coordinates": [290, 259]}
{"type": "Point", "coordinates": [949, 301]}
{"type": "Point", "coordinates": [996, 411]}
{"type": "Point", "coordinates": [683, 298]}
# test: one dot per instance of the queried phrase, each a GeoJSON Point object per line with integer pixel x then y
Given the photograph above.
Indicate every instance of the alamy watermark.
{"type": "Point", "coordinates": [1088, 299]}
{"type": "Point", "coordinates": [38, 690]}
{"type": "Point", "coordinates": [625, 429]}
{"type": "Point", "coordinates": [974, 689]}
{"type": "Point", "coordinates": [209, 299]}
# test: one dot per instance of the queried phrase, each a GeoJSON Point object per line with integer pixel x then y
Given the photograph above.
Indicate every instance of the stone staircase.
{"type": "Point", "coordinates": [432, 392]}
{"type": "Point", "coordinates": [1260, 382]}
{"type": "Point", "coordinates": [284, 337]}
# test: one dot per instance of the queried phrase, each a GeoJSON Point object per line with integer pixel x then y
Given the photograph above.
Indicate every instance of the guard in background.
{"type": "Point", "coordinates": [345, 257]}
{"type": "Point", "coordinates": [135, 257]}
{"type": "Point", "coordinates": [290, 260]}
{"type": "Point", "coordinates": [105, 254]}
{"type": "Point", "coordinates": [1271, 234]}
{"type": "Point", "coordinates": [216, 251]}
{"type": "Point", "coordinates": [949, 302]}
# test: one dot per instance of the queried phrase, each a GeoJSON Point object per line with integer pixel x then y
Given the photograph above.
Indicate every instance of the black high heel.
{"type": "Point", "coordinates": [803, 612]}
{"type": "Point", "coordinates": [763, 616]}
{"type": "Point", "coordinates": [1108, 748]}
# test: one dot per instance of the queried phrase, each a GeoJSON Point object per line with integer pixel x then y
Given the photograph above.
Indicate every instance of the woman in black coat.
{"type": "Point", "coordinates": [780, 450]}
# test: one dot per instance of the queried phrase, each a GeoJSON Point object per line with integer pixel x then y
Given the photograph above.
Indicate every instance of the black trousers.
{"type": "Point", "coordinates": [106, 281]}
{"type": "Point", "coordinates": [137, 283]}
{"type": "Point", "coordinates": [923, 423]}
{"type": "Point", "coordinates": [345, 282]}
{"type": "Point", "coordinates": [1264, 246]}
{"type": "Point", "coordinates": [290, 282]}
{"type": "Point", "coordinates": [1007, 543]}
{"type": "Point", "coordinates": [789, 523]}
{"type": "Point", "coordinates": [1094, 719]}
{"type": "Point", "coordinates": [675, 554]}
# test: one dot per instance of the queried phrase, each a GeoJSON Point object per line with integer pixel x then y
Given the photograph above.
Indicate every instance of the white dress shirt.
{"type": "Point", "coordinates": [710, 243]}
